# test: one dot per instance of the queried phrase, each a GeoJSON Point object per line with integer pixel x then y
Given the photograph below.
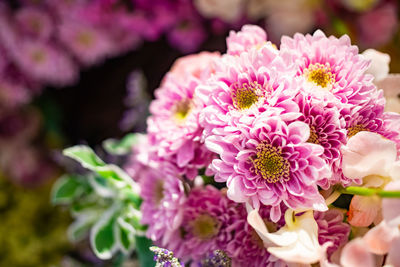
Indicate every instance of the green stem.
{"type": "Point", "coordinates": [362, 191]}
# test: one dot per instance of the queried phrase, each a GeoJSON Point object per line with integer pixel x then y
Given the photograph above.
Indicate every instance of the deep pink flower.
{"type": "Point", "coordinates": [270, 162]}
{"type": "Point", "coordinates": [327, 128]}
{"type": "Point", "coordinates": [331, 228]}
{"type": "Point", "coordinates": [35, 21]}
{"type": "Point", "coordinates": [246, 245]}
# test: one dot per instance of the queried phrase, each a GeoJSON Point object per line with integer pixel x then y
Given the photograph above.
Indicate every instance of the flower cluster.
{"type": "Point", "coordinates": [245, 153]}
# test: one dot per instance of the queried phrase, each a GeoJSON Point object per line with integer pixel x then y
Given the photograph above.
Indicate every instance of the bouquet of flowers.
{"type": "Point", "coordinates": [257, 157]}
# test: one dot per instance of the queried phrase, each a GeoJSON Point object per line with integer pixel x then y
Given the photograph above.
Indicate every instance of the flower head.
{"type": "Point", "coordinates": [250, 36]}
{"type": "Point", "coordinates": [331, 67]}
{"type": "Point", "coordinates": [271, 163]}
{"type": "Point", "coordinates": [162, 207]}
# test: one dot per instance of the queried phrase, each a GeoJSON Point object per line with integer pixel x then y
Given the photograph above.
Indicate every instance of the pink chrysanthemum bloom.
{"type": "Point", "coordinates": [35, 22]}
{"type": "Point", "coordinates": [371, 117]}
{"type": "Point", "coordinates": [327, 128]}
{"type": "Point", "coordinates": [270, 162]}
{"type": "Point", "coordinates": [174, 128]}
{"type": "Point", "coordinates": [330, 66]}
{"type": "Point", "coordinates": [246, 245]}
{"type": "Point", "coordinates": [45, 63]}
{"type": "Point", "coordinates": [162, 208]}
{"type": "Point", "coordinates": [89, 44]}
{"type": "Point", "coordinates": [207, 217]}
{"type": "Point", "coordinates": [331, 228]}
{"type": "Point", "coordinates": [243, 87]}
{"type": "Point", "coordinates": [248, 37]}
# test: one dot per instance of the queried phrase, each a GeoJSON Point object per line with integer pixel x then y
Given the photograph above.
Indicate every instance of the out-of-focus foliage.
{"type": "Point", "coordinates": [32, 232]}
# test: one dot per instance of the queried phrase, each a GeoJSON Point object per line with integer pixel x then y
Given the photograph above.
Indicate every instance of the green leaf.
{"type": "Point", "coordinates": [66, 189]}
{"type": "Point", "coordinates": [89, 160]}
{"type": "Point", "coordinates": [101, 186]}
{"type": "Point", "coordinates": [120, 147]}
{"type": "Point", "coordinates": [145, 255]}
{"type": "Point", "coordinates": [102, 236]}
{"type": "Point", "coordinates": [85, 155]}
{"type": "Point", "coordinates": [80, 227]}
{"type": "Point", "coordinates": [126, 236]}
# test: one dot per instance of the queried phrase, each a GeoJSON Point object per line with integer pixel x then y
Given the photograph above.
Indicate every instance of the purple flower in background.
{"type": "Point", "coordinates": [35, 22]}
{"type": "Point", "coordinates": [379, 25]}
{"type": "Point", "coordinates": [87, 43]}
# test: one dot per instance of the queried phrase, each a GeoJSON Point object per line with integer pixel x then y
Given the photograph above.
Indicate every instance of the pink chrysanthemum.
{"type": "Point", "coordinates": [208, 214]}
{"type": "Point", "coordinates": [327, 128]}
{"type": "Point", "coordinates": [243, 87]}
{"type": "Point", "coordinates": [162, 207]}
{"type": "Point", "coordinates": [174, 127]}
{"type": "Point", "coordinates": [35, 22]}
{"type": "Point", "coordinates": [246, 245]}
{"type": "Point", "coordinates": [248, 37]}
{"type": "Point", "coordinates": [270, 162]}
{"type": "Point", "coordinates": [371, 117]}
{"type": "Point", "coordinates": [331, 228]}
{"type": "Point", "coordinates": [45, 63]}
{"type": "Point", "coordinates": [332, 67]}
{"type": "Point", "coordinates": [89, 44]}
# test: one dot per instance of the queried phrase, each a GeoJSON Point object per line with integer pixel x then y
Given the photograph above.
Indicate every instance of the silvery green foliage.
{"type": "Point", "coordinates": [105, 203]}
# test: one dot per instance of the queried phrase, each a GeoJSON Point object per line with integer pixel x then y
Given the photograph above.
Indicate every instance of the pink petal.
{"type": "Point", "coordinates": [356, 254]}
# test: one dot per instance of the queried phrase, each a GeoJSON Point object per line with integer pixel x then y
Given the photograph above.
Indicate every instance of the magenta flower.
{"type": "Point", "coordinates": [45, 63]}
{"type": "Point", "coordinates": [331, 228]}
{"type": "Point", "coordinates": [246, 245]}
{"type": "Point", "coordinates": [89, 44]}
{"type": "Point", "coordinates": [270, 162]}
{"type": "Point", "coordinates": [206, 226]}
{"type": "Point", "coordinates": [35, 22]}
{"type": "Point", "coordinates": [327, 128]}
{"type": "Point", "coordinates": [162, 207]}
{"type": "Point", "coordinates": [371, 117]}
{"type": "Point", "coordinates": [332, 67]}
{"type": "Point", "coordinates": [248, 37]}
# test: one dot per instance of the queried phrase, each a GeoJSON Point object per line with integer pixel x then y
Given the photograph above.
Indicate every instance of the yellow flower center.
{"type": "Point", "coordinates": [246, 95]}
{"type": "Point", "coordinates": [158, 192]}
{"type": "Point", "coordinates": [313, 136]}
{"type": "Point", "coordinates": [270, 164]}
{"type": "Point", "coordinates": [320, 75]}
{"type": "Point", "coordinates": [182, 110]}
{"type": "Point", "coordinates": [38, 56]}
{"type": "Point", "coordinates": [85, 38]}
{"type": "Point", "coordinates": [205, 227]}
{"type": "Point", "coordinates": [353, 130]}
